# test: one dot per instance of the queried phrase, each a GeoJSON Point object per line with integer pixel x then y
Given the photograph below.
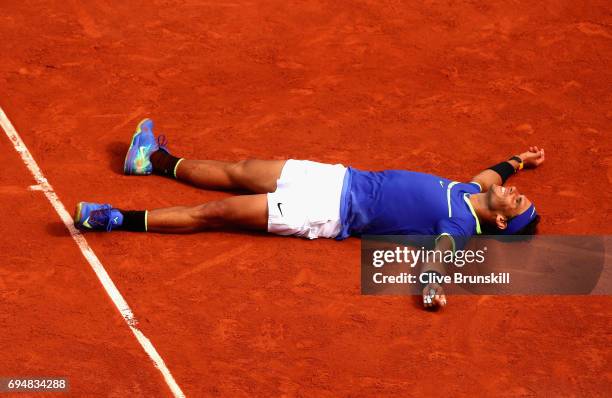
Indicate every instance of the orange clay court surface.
{"type": "Point", "coordinates": [447, 87]}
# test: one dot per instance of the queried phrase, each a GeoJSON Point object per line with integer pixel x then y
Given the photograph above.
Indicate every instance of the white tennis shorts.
{"type": "Point", "coordinates": [306, 202]}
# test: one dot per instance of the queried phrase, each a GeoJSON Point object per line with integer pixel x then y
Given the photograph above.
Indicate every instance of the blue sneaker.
{"type": "Point", "coordinates": [97, 217]}
{"type": "Point", "coordinates": [138, 158]}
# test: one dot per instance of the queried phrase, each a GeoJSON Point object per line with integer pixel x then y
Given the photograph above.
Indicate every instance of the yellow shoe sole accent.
{"type": "Point", "coordinates": [77, 213]}
{"type": "Point", "coordinates": [138, 131]}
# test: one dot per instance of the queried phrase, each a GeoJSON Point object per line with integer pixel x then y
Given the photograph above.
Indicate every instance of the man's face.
{"type": "Point", "coordinates": [507, 201]}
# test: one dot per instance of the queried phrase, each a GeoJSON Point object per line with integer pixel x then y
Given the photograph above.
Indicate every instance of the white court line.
{"type": "Point", "coordinates": [90, 256]}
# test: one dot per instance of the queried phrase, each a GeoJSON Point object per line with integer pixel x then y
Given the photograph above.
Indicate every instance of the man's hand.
{"type": "Point", "coordinates": [532, 158]}
{"type": "Point", "coordinates": [433, 296]}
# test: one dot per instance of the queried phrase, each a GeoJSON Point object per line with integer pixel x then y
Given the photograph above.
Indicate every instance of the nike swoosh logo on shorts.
{"type": "Point", "coordinates": [279, 209]}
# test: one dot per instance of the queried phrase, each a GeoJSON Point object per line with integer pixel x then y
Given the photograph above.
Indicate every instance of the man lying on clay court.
{"type": "Point", "coordinates": [313, 200]}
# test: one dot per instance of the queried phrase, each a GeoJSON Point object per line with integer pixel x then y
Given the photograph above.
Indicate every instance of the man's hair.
{"type": "Point", "coordinates": [529, 229]}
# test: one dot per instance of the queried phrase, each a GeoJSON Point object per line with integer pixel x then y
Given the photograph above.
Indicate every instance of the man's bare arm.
{"type": "Point", "coordinates": [433, 293]}
{"type": "Point", "coordinates": [531, 159]}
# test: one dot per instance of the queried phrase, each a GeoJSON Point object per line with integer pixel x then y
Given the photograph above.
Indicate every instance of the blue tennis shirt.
{"type": "Point", "coordinates": [399, 202]}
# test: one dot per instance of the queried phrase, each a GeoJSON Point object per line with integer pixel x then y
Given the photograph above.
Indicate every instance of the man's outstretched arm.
{"type": "Point", "coordinates": [493, 175]}
{"type": "Point", "coordinates": [433, 294]}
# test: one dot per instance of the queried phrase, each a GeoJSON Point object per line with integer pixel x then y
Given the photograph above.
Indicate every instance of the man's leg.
{"type": "Point", "coordinates": [147, 154]}
{"type": "Point", "coordinates": [244, 211]}
{"type": "Point", "coordinates": [257, 176]}
{"type": "Point", "coordinates": [240, 212]}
